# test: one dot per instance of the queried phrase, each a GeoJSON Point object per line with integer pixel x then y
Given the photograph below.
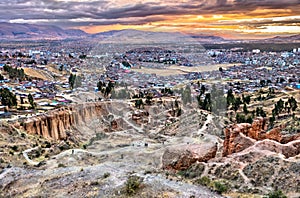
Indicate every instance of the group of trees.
{"type": "Point", "coordinates": [147, 95]}
{"type": "Point", "coordinates": [235, 102]}
{"type": "Point", "coordinates": [167, 92]}
{"type": "Point", "coordinates": [106, 89]}
{"type": "Point", "coordinates": [14, 73]}
{"type": "Point", "coordinates": [281, 106]}
{"type": "Point", "coordinates": [8, 98]}
{"type": "Point", "coordinates": [213, 101]}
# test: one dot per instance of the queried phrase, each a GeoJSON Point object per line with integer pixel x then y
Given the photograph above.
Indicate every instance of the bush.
{"type": "Point", "coordinates": [106, 175]}
{"type": "Point", "coordinates": [132, 185]}
{"type": "Point", "coordinates": [61, 166]}
{"type": "Point", "coordinates": [276, 194]}
{"type": "Point", "coordinates": [220, 187]}
{"type": "Point", "coordinates": [204, 181]}
{"type": "Point", "coordinates": [14, 148]}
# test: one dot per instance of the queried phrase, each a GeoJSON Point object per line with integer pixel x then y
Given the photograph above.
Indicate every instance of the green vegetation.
{"type": "Point", "coordinates": [138, 103]}
{"type": "Point", "coordinates": [31, 101]}
{"type": "Point", "coordinates": [276, 194]}
{"type": "Point", "coordinates": [14, 73]}
{"type": "Point", "coordinates": [213, 101]}
{"type": "Point", "coordinates": [107, 89]}
{"type": "Point", "coordinates": [218, 186]}
{"type": "Point", "coordinates": [61, 165]}
{"type": "Point", "coordinates": [204, 181]}
{"type": "Point", "coordinates": [132, 185]}
{"type": "Point", "coordinates": [186, 95]}
{"type": "Point", "coordinates": [8, 98]}
{"type": "Point", "coordinates": [74, 81]}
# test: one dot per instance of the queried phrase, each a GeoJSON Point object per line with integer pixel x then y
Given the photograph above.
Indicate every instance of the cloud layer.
{"type": "Point", "coordinates": [239, 16]}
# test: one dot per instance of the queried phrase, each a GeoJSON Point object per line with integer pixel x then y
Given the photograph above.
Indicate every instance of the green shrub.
{"type": "Point", "coordinates": [132, 185]}
{"type": "Point", "coordinates": [276, 194]}
{"type": "Point", "coordinates": [61, 165]}
{"type": "Point", "coordinates": [220, 187]}
{"type": "Point", "coordinates": [14, 148]}
{"type": "Point", "coordinates": [204, 181]}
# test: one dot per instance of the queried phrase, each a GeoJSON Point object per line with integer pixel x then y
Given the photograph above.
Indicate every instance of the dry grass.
{"type": "Point", "coordinates": [177, 70]}
{"type": "Point", "coordinates": [35, 74]}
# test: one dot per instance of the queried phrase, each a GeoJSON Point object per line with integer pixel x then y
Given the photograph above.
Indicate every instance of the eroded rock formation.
{"type": "Point", "coordinates": [54, 124]}
{"type": "Point", "coordinates": [241, 136]}
{"type": "Point", "coordinates": [183, 156]}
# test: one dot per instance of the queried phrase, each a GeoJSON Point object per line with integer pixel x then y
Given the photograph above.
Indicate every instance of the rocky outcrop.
{"type": "Point", "coordinates": [140, 117]}
{"type": "Point", "coordinates": [241, 136]}
{"type": "Point", "coordinates": [182, 157]}
{"type": "Point", "coordinates": [54, 124]}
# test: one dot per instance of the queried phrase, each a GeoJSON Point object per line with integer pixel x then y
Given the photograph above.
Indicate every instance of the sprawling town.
{"type": "Point", "coordinates": [106, 118]}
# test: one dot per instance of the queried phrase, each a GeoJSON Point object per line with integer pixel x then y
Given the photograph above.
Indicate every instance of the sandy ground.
{"type": "Point", "coordinates": [177, 70]}
{"type": "Point", "coordinates": [36, 74]}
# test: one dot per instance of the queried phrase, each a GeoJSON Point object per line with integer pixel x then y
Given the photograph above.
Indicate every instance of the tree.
{"type": "Point", "coordinates": [237, 103]}
{"type": "Point", "coordinates": [8, 98]}
{"type": "Point", "coordinates": [230, 97]}
{"type": "Point", "coordinates": [14, 73]}
{"type": "Point", "coordinates": [272, 120]}
{"type": "Point", "coordinates": [149, 97]}
{"type": "Point", "coordinates": [139, 103]}
{"type": "Point", "coordinates": [202, 90]}
{"type": "Point", "coordinates": [245, 109]}
{"type": "Point", "coordinates": [72, 80]}
{"type": "Point", "coordinates": [31, 101]}
{"type": "Point", "coordinates": [246, 99]}
{"type": "Point", "coordinates": [240, 118]}
{"type": "Point", "coordinates": [280, 105]}
{"type": "Point", "coordinates": [100, 84]}
{"type": "Point", "coordinates": [293, 103]}
{"type": "Point", "coordinates": [260, 112]}
{"type": "Point", "coordinates": [207, 102]}
{"type": "Point", "coordinates": [109, 88]}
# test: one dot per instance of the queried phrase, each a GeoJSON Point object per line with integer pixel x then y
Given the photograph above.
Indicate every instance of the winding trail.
{"type": "Point", "coordinates": [27, 158]}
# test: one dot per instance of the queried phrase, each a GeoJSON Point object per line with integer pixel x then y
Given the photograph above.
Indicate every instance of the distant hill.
{"type": "Point", "coordinates": [293, 38]}
{"type": "Point", "coordinates": [138, 36]}
{"type": "Point", "coordinates": [22, 31]}
{"type": "Point", "coordinates": [31, 31]}
{"type": "Point", "coordinates": [207, 38]}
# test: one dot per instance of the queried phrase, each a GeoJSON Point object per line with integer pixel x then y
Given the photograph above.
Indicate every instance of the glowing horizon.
{"type": "Point", "coordinates": [227, 18]}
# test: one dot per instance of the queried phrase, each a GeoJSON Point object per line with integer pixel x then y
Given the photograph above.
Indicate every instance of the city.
{"type": "Point", "coordinates": [150, 109]}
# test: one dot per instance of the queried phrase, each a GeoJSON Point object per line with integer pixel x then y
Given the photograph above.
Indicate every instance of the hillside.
{"type": "Point", "coordinates": [30, 31]}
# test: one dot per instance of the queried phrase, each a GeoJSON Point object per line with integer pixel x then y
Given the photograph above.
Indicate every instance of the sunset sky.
{"type": "Point", "coordinates": [227, 18]}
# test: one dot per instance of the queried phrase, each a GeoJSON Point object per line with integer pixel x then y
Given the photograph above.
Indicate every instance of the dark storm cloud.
{"type": "Point", "coordinates": [66, 13]}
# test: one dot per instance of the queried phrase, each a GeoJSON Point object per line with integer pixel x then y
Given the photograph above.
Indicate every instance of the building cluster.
{"type": "Point", "coordinates": [55, 63]}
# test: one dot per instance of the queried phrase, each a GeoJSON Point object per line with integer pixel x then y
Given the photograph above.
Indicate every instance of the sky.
{"type": "Point", "coordinates": [227, 18]}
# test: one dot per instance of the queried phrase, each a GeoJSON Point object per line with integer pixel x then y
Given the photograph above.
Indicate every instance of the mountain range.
{"type": "Point", "coordinates": [31, 31]}
{"type": "Point", "coordinates": [21, 31]}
